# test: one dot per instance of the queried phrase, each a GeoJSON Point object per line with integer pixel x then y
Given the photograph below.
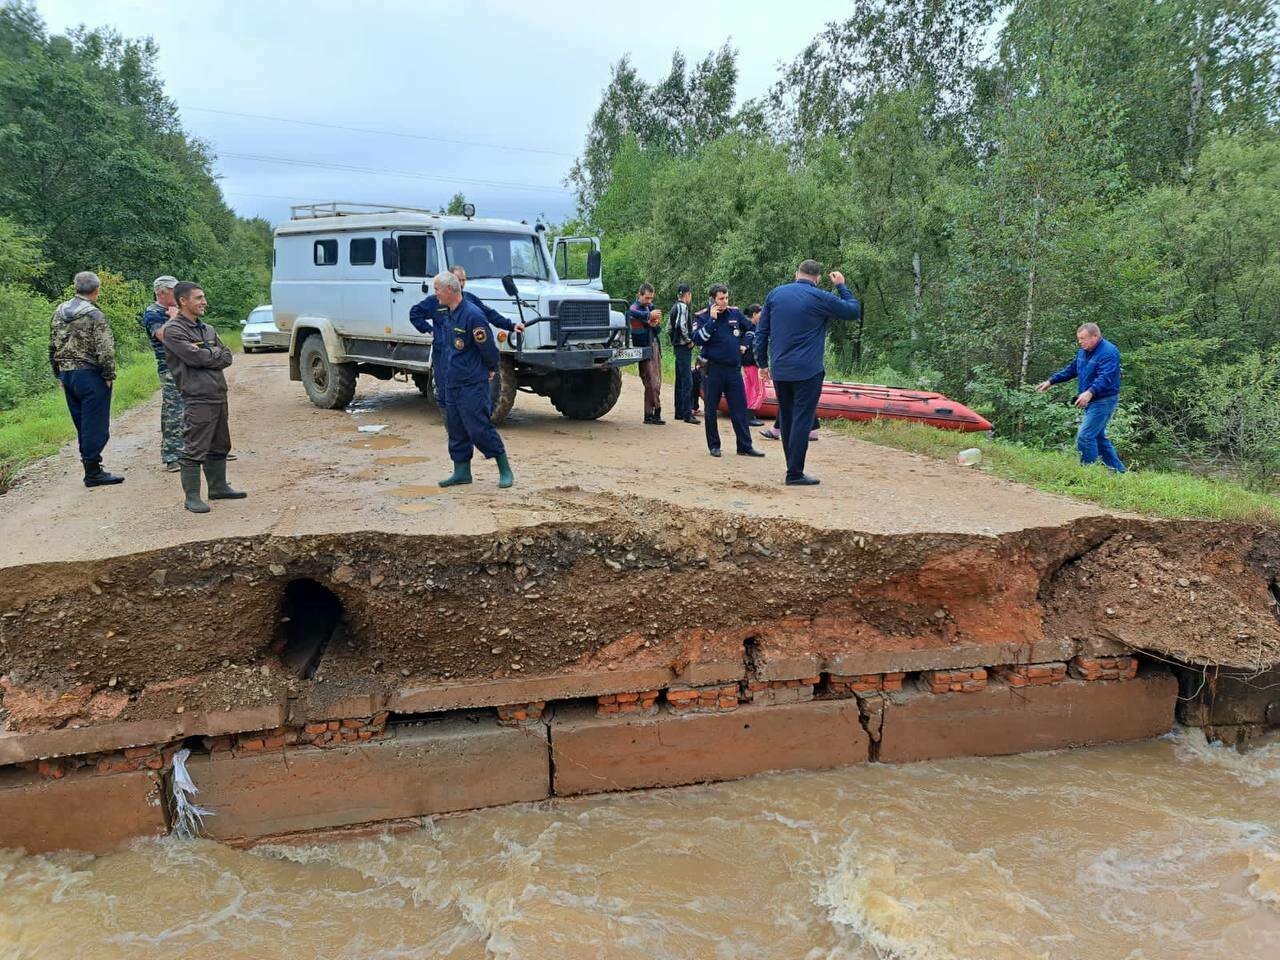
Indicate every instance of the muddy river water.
{"type": "Point", "coordinates": [1153, 851]}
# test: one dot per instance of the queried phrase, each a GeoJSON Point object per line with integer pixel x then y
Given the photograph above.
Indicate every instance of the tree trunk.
{"type": "Point", "coordinates": [919, 292]}
{"type": "Point", "coordinates": [1031, 291]}
{"type": "Point", "coordinates": [1193, 115]}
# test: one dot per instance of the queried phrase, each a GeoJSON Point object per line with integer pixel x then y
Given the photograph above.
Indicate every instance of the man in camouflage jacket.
{"type": "Point", "coordinates": [171, 411]}
{"type": "Point", "coordinates": [82, 353]}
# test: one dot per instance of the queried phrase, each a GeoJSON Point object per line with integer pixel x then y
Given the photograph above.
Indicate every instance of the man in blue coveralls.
{"type": "Point", "coordinates": [1097, 368]}
{"type": "Point", "coordinates": [423, 314]}
{"type": "Point", "coordinates": [794, 321]}
{"type": "Point", "coordinates": [723, 333]}
{"type": "Point", "coordinates": [472, 362]}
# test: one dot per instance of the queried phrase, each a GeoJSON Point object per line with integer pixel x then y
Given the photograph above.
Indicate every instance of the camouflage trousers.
{"type": "Point", "coordinates": [172, 419]}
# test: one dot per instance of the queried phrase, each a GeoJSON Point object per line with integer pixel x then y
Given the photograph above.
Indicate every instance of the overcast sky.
{"type": "Point", "coordinates": [516, 82]}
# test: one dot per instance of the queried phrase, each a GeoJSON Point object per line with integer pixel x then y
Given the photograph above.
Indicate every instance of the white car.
{"type": "Point", "coordinates": [259, 331]}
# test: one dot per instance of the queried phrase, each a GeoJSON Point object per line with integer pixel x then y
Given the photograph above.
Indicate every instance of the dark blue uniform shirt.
{"type": "Point", "coordinates": [153, 318]}
{"type": "Point", "coordinates": [1097, 370]}
{"type": "Point", "coordinates": [720, 339]}
{"type": "Point", "coordinates": [794, 320]}
{"type": "Point", "coordinates": [470, 345]}
{"type": "Point", "coordinates": [638, 320]}
{"type": "Point", "coordinates": [423, 315]}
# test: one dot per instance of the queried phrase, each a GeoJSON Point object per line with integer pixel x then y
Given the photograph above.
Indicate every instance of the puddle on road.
{"type": "Point", "coordinates": [411, 491]}
{"type": "Point", "coordinates": [398, 461]}
{"type": "Point", "coordinates": [382, 442]}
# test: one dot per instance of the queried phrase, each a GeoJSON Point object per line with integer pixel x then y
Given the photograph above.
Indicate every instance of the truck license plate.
{"type": "Point", "coordinates": [630, 353]}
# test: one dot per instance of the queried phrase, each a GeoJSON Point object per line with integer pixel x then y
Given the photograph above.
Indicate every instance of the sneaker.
{"type": "Point", "coordinates": [172, 466]}
{"type": "Point", "coordinates": [804, 480]}
{"type": "Point", "coordinates": [755, 422]}
{"type": "Point", "coordinates": [771, 434]}
{"type": "Point", "coordinates": [715, 452]}
{"type": "Point", "coordinates": [813, 436]}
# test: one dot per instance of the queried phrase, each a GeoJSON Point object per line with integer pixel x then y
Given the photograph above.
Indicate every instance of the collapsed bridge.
{"type": "Point", "coordinates": [325, 681]}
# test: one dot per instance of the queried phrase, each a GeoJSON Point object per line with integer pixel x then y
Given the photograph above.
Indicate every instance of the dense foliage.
{"type": "Point", "coordinates": [96, 173]}
{"type": "Point", "coordinates": [1114, 161]}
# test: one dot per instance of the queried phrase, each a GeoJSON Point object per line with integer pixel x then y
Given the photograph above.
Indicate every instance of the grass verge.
{"type": "Point", "coordinates": [41, 425]}
{"type": "Point", "coordinates": [1172, 495]}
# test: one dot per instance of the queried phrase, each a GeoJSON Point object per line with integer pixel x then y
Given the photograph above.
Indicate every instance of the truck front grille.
{"type": "Point", "coordinates": [580, 314]}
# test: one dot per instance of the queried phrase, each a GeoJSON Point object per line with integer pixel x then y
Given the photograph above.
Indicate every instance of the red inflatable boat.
{"type": "Point", "coordinates": [867, 401]}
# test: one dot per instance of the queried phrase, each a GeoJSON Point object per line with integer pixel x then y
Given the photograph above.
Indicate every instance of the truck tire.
{"type": "Point", "coordinates": [588, 395]}
{"type": "Point", "coordinates": [426, 384]}
{"type": "Point", "coordinates": [329, 385]}
{"type": "Point", "coordinates": [502, 390]}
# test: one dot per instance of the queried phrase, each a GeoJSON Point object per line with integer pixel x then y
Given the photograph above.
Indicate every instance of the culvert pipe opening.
{"type": "Point", "coordinates": [310, 613]}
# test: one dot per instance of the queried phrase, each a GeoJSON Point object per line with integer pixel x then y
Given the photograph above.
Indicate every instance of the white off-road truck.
{"type": "Point", "coordinates": [345, 275]}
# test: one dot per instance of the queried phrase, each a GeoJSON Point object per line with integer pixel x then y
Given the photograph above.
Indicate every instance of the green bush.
{"type": "Point", "coordinates": [1238, 408]}
{"type": "Point", "coordinates": [24, 344]}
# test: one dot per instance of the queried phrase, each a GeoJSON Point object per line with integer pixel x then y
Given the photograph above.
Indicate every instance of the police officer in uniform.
{"type": "Point", "coordinates": [171, 412]}
{"type": "Point", "coordinates": [82, 353]}
{"type": "Point", "coordinates": [423, 315]}
{"type": "Point", "coordinates": [723, 333]}
{"type": "Point", "coordinates": [472, 361]}
{"type": "Point", "coordinates": [197, 357]}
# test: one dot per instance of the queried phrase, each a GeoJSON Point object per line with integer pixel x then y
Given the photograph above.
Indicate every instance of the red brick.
{"type": "Point", "coordinates": [274, 743]}
{"type": "Point", "coordinates": [134, 753]}
{"type": "Point", "coordinates": [255, 744]}
{"type": "Point", "coordinates": [108, 765]}
{"type": "Point", "coordinates": [352, 724]}
{"type": "Point", "coordinates": [315, 728]}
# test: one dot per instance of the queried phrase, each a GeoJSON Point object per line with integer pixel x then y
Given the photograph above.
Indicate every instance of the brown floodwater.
{"type": "Point", "coordinates": [1154, 851]}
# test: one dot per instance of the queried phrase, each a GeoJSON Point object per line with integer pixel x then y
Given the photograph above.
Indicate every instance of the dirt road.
{"type": "Point", "coordinates": [314, 471]}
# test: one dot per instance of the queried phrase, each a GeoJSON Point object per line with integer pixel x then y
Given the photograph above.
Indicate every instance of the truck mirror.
{"type": "Point", "coordinates": [593, 264]}
{"type": "Point", "coordinates": [390, 253]}
{"type": "Point", "coordinates": [509, 285]}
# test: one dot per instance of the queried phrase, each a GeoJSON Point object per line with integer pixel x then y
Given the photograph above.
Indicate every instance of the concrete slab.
{"type": "Point", "coordinates": [597, 755]}
{"type": "Point", "coordinates": [1004, 720]}
{"type": "Point", "coordinates": [83, 811]}
{"type": "Point", "coordinates": [455, 764]}
{"type": "Point", "coordinates": [951, 657]}
{"type": "Point", "coordinates": [434, 698]}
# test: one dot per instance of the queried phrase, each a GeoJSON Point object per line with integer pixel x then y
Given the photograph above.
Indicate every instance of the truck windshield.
{"type": "Point", "coordinates": [484, 254]}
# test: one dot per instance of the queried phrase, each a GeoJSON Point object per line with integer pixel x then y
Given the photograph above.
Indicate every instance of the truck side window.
{"type": "Point", "coordinates": [418, 257]}
{"type": "Point", "coordinates": [363, 252]}
{"type": "Point", "coordinates": [326, 253]}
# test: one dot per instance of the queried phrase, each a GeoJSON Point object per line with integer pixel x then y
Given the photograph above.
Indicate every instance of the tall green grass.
{"type": "Point", "coordinates": [1161, 494]}
{"type": "Point", "coordinates": [40, 426]}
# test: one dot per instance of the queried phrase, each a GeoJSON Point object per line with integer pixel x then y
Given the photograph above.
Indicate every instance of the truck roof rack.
{"type": "Point", "coordinates": [344, 208]}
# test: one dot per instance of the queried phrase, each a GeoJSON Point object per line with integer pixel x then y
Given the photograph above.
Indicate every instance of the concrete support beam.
{"type": "Point", "coordinates": [83, 811]}
{"type": "Point", "coordinates": [594, 755]}
{"type": "Point", "coordinates": [1003, 720]}
{"type": "Point", "coordinates": [454, 764]}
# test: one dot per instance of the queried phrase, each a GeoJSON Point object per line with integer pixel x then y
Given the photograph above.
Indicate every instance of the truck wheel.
{"type": "Point", "coordinates": [502, 390]}
{"type": "Point", "coordinates": [426, 384]}
{"type": "Point", "coordinates": [588, 395]}
{"type": "Point", "coordinates": [329, 385]}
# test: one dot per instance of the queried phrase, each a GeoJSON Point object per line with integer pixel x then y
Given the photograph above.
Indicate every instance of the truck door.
{"type": "Point", "coordinates": [577, 261]}
{"type": "Point", "coordinates": [417, 261]}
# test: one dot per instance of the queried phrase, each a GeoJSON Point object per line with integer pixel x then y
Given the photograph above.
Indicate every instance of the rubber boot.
{"type": "Point", "coordinates": [657, 416]}
{"type": "Point", "coordinates": [190, 474]}
{"type": "Point", "coordinates": [461, 474]}
{"type": "Point", "coordinates": [215, 471]}
{"type": "Point", "coordinates": [505, 477]}
{"type": "Point", "coordinates": [95, 476]}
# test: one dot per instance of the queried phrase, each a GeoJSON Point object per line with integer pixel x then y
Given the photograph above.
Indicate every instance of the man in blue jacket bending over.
{"type": "Point", "coordinates": [1097, 369]}
{"type": "Point", "coordinates": [794, 319]}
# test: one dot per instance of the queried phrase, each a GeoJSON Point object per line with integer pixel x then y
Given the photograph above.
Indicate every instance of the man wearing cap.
{"type": "Point", "coordinates": [171, 410]}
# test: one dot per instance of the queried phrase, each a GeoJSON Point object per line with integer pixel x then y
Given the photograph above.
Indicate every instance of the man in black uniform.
{"type": "Point", "coordinates": [721, 332]}
{"type": "Point", "coordinates": [681, 333]}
